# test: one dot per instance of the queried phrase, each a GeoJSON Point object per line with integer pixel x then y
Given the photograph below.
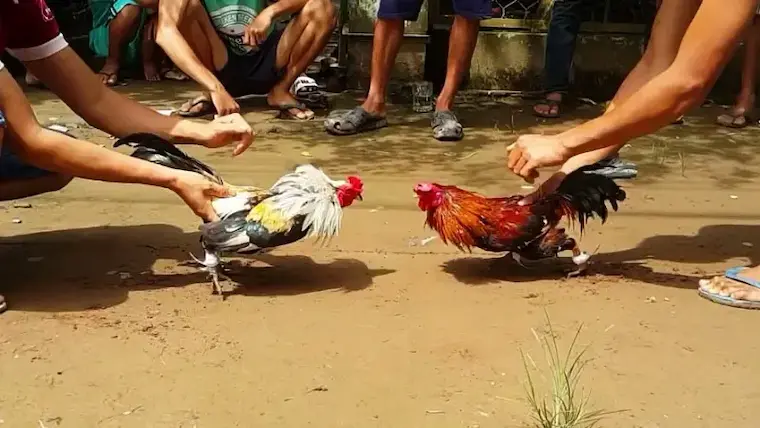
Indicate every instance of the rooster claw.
{"type": "Point", "coordinates": [582, 270]}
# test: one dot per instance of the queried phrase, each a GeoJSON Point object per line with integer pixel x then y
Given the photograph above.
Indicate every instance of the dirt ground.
{"type": "Point", "coordinates": [109, 326]}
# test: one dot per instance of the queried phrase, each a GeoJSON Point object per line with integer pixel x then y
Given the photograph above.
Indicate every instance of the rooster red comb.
{"type": "Point", "coordinates": [355, 182]}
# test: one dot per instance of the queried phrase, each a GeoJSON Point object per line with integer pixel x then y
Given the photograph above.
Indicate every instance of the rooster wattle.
{"type": "Point", "coordinates": [466, 219]}
{"type": "Point", "coordinates": [304, 203]}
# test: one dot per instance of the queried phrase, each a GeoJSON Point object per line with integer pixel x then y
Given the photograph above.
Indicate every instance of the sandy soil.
{"type": "Point", "coordinates": [111, 327]}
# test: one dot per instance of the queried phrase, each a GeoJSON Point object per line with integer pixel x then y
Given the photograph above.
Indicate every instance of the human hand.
{"type": "Point", "coordinates": [531, 152]}
{"type": "Point", "coordinates": [224, 102]}
{"type": "Point", "coordinates": [256, 32]}
{"type": "Point", "coordinates": [230, 129]}
{"type": "Point", "coordinates": [547, 187]}
{"type": "Point", "coordinates": [198, 192]}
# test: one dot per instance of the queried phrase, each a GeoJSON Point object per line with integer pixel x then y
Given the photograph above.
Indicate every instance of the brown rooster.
{"type": "Point", "coordinates": [466, 219]}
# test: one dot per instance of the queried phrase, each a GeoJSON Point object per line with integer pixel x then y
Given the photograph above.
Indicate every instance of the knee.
{"type": "Point", "coordinates": [321, 11]}
{"type": "Point", "coordinates": [129, 13]}
{"type": "Point", "coordinates": [58, 182]}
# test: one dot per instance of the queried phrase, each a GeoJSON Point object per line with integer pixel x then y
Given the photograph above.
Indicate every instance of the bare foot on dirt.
{"type": "Point", "coordinates": [151, 72]}
{"type": "Point", "coordinates": [288, 106]}
{"type": "Point", "coordinates": [728, 287]}
{"type": "Point", "coordinates": [109, 74]}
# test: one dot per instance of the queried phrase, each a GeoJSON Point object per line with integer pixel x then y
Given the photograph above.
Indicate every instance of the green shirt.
{"type": "Point", "coordinates": [230, 17]}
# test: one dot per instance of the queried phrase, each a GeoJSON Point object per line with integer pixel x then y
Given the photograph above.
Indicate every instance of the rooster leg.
{"type": "Point", "coordinates": [580, 258]}
{"type": "Point", "coordinates": [212, 265]}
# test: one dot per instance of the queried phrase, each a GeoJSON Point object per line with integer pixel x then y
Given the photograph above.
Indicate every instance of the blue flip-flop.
{"type": "Point", "coordinates": [733, 273]}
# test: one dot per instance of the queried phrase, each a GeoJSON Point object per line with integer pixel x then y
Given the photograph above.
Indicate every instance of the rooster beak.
{"type": "Point", "coordinates": [360, 197]}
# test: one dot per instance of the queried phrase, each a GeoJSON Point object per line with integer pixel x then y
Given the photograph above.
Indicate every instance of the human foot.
{"type": "Point", "coordinates": [288, 106]}
{"type": "Point", "coordinates": [109, 74]}
{"type": "Point", "coordinates": [739, 287]}
{"type": "Point", "coordinates": [151, 72]}
{"type": "Point", "coordinates": [3, 305]}
{"type": "Point", "coordinates": [549, 107]}
{"type": "Point", "coordinates": [737, 117]}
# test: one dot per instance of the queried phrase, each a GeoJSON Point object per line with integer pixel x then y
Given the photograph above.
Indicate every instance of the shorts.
{"type": "Point", "coordinates": [254, 74]}
{"type": "Point", "coordinates": [14, 168]}
{"type": "Point", "coordinates": [409, 10]}
{"type": "Point", "coordinates": [103, 12]}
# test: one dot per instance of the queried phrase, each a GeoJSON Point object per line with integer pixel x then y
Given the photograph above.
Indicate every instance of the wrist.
{"type": "Point", "coordinates": [189, 132]}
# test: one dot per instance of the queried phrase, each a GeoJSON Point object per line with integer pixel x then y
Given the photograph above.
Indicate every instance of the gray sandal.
{"type": "Point", "coordinates": [353, 122]}
{"type": "Point", "coordinates": [446, 126]}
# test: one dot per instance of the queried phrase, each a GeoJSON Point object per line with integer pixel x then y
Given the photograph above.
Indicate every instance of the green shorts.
{"type": "Point", "coordinates": [103, 12]}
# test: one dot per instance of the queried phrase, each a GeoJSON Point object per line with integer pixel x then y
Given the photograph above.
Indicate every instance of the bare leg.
{"type": "Point", "coordinates": [464, 36]}
{"type": "Point", "coordinates": [24, 188]}
{"type": "Point", "coordinates": [197, 29]}
{"type": "Point", "coordinates": [149, 52]}
{"type": "Point", "coordinates": [120, 30]}
{"type": "Point", "coordinates": [301, 42]}
{"type": "Point", "coordinates": [385, 45]}
{"type": "Point", "coordinates": [745, 100]}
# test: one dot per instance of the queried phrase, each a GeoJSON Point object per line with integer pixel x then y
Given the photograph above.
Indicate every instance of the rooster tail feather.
{"type": "Point", "coordinates": [155, 149]}
{"type": "Point", "coordinates": [583, 196]}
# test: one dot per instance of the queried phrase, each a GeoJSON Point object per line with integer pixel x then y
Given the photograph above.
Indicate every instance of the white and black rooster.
{"type": "Point", "coordinates": [302, 204]}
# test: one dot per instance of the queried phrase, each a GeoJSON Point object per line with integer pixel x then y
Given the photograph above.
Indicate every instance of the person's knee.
{"type": "Point", "coordinates": [59, 181]}
{"type": "Point", "coordinates": [129, 14]}
{"type": "Point", "coordinates": [322, 12]}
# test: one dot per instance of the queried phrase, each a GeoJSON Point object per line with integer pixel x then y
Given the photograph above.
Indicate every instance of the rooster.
{"type": "Point", "coordinates": [302, 204]}
{"type": "Point", "coordinates": [530, 232]}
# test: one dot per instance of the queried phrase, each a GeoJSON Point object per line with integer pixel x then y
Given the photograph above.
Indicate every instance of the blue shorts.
{"type": "Point", "coordinates": [409, 10]}
{"type": "Point", "coordinates": [12, 167]}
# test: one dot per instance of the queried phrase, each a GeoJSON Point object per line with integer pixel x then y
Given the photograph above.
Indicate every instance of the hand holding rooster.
{"type": "Point", "coordinates": [531, 152]}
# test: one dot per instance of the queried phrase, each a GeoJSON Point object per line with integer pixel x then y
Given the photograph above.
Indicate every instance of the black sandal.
{"type": "Point", "coordinates": [207, 107]}
{"type": "Point", "coordinates": [286, 113]}
{"type": "Point", "coordinates": [3, 305]}
{"type": "Point", "coordinates": [553, 105]}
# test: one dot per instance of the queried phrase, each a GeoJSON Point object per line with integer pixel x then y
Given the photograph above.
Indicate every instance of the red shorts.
{"type": "Point", "coordinates": [28, 30]}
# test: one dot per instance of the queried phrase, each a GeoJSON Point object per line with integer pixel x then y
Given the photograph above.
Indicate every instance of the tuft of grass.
{"type": "Point", "coordinates": [566, 406]}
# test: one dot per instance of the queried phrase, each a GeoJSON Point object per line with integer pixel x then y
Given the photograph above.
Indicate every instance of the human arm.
{"type": "Point", "coordinates": [177, 48]}
{"type": "Point", "coordinates": [59, 153]}
{"type": "Point", "coordinates": [69, 77]}
{"type": "Point", "coordinates": [257, 31]}
{"type": "Point", "coordinates": [706, 47]}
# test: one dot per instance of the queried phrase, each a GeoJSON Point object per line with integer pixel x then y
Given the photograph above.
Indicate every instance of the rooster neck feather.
{"type": "Point", "coordinates": [464, 217]}
{"type": "Point", "coordinates": [308, 192]}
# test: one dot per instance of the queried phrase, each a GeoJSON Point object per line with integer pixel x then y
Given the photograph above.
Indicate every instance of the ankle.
{"type": "Point", "coordinates": [374, 105]}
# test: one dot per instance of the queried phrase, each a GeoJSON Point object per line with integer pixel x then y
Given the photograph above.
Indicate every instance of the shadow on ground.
{"type": "Point", "coordinates": [78, 269]}
{"type": "Point", "coordinates": [712, 244]}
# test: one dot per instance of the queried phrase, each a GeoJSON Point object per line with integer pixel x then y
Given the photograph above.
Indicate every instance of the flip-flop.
{"type": "Point", "coordinates": [175, 75]}
{"type": "Point", "coordinates": [285, 113]}
{"type": "Point", "coordinates": [552, 104]}
{"type": "Point", "coordinates": [446, 126]}
{"type": "Point", "coordinates": [733, 273]}
{"type": "Point", "coordinates": [353, 122]}
{"type": "Point", "coordinates": [736, 121]}
{"type": "Point", "coordinates": [207, 107]}
{"type": "Point", "coordinates": [3, 305]}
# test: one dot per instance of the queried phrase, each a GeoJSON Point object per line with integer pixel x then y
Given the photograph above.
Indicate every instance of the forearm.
{"type": "Point", "coordinates": [66, 75]}
{"type": "Point", "coordinates": [179, 51]}
{"type": "Point", "coordinates": [707, 45]}
{"type": "Point", "coordinates": [284, 7]}
{"type": "Point", "coordinates": [56, 152]}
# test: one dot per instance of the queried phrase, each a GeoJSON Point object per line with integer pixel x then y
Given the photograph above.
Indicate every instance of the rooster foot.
{"type": "Point", "coordinates": [215, 269]}
{"type": "Point", "coordinates": [580, 258]}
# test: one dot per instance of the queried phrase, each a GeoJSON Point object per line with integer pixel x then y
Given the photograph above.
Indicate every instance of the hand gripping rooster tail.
{"type": "Point", "coordinates": [302, 204]}
{"type": "Point", "coordinates": [466, 219]}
